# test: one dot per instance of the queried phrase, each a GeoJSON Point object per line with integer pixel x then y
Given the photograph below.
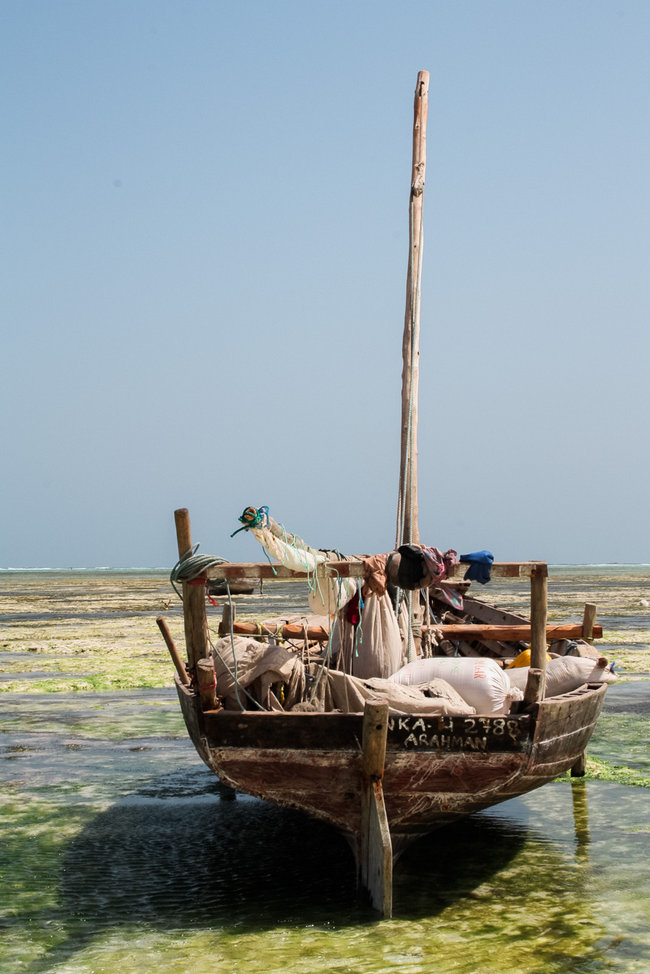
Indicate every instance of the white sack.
{"type": "Point", "coordinates": [563, 674]}
{"type": "Point", "coordinates": [479, 681]}
{"type": "Point", "coordinates": [373, 648]}
{"type": "Point", "coordinates": [379, 646]}
{"type": "Point", "coordinates": [350, 694]}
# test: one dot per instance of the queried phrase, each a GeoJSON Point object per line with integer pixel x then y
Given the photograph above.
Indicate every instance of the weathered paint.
{"type": "Point", "coordinates": [437, 768]}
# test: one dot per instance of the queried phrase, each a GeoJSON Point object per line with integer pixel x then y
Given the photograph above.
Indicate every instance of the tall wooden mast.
{"type": "Point", "coordinates": [407, 507]}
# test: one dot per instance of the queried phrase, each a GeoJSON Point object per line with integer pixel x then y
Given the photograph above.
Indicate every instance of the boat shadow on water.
{"type": "Point", "coordinates": [171, 858]}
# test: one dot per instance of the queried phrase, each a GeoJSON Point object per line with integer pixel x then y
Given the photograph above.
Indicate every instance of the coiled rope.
{"type": "Point", "coordinates": [190, 566]}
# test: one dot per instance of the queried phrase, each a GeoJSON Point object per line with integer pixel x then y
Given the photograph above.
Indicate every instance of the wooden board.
{"type": "Point", "coordinates": [463, 631]}
{"type": "Point", "coordinates": [300, 731]}
{"type": "Point", "coordinates": [355, 569]}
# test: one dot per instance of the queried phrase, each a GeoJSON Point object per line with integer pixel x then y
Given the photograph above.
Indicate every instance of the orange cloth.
{"type": "Point", "coordinates": [374, 574]}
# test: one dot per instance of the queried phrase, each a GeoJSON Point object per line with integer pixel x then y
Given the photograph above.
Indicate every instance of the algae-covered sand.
{"type": "Point", "coordinates": [96, 631]}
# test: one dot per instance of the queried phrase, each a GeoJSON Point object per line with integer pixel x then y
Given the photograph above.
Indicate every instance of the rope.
{"type": "Point", "coordinates": [191, 566]}
{"type": "Point", "coordinates": [326, 661]}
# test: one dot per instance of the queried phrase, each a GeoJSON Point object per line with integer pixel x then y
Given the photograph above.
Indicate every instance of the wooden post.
{"type": "Point", "coordinates": [588, 620]}
{"type": "Point", "coordinates": [534, 689]}
{"type": "Point", "coordinates": [538, 611]}
{"type": "Point", "coordinates": [228, 619]}
{"type": "Point", "coordinates": [579, 769]}
{"type": "Point", "coordinates": [196, 626]}
{"type": "Point", "coordinates": [376, 854]}
{"type": "Point", "coordinates": [407, 506]}
{"type": "Point", "coordinates": [173, 652]}
{"type": "Point", "coordinates": [207, 681]}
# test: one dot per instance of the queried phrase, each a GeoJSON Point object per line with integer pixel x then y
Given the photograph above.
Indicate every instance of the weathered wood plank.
{"type": "Point", "coordinates": [588, 618]}
{"type": "Point", "coordinates": [538, 613]}
{"type": "Point", "coordinates": [512, 633]}
{"type": "Point", "coordinates": [406, 732]}
{"type": "Point", "coordinates": [504, 633]}
{"type": "Point", "coordinates": [173, 652]}
{"type": "Point", "coordinates": [376, 859]}
{"type": "Point", "coordinates": [491, 614]}
{"type": "Point", "coordinates": [376, 865]}
{"type": "Point", "coordinates": [355, 569]}
{"type": "Point", "coordinates": [207, 682]}
{"type": "Point", "coordinates": [373, 739]}
{"type": "Point", "coordinates": [459, 733]}
{"type": "Point", "coordinates": [534, 689]}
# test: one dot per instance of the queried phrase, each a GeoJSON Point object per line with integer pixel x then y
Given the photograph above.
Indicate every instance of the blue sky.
{"type": "Point", "coordinates": [205, 212]}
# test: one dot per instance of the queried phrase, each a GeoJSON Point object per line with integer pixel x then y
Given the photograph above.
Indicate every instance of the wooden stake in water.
{"type": "Point", "coordinates": [376, 861]}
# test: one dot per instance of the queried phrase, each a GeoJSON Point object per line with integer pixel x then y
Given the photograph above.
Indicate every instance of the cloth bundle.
{"type": "Point", "coordinates": [480, 565]}
{"type": "Point", "coordinates": [418, 566]}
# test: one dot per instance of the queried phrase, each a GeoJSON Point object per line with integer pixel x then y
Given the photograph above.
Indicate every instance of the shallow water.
{"type": "Point", "coordinates": [120, 850]}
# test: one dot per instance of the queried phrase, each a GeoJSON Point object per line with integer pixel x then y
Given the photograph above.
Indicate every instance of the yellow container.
{"type": "Point", "coordinates": [523, 659]}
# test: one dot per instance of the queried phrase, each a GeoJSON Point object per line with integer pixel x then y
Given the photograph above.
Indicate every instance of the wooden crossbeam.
{"type": "Point", "coordinates": [512, 634]}
{"type": "Point", "coordinates": [466, 631]}
{"type": "Point", "coordinates": [355, 569]}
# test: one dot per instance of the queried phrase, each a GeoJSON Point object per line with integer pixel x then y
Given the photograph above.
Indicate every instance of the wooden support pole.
{"type": "Point", "coordinates": [228, 622]}
{"type": "Point", "coordinates": [373, 743]}
{"type": "Point", "coordinates": [588, 619]}
{"type": "Point", "coordinates": [173, 652]}
{"type": "Point", "coordinates": [579, 769]}
{"type": "Point", "coordinates": [507, 633]}
{"type": "Point", "coordinates": [376, 852]}
{"type": "Point", "coordinates": [196, 627]}
{"type": "Point", "coordinates": [538, 612]}
{"type": "Point", "coordinates": [407, 506]}
{"type": "Point", "coordinates": [207, 681]}
{"type": "Point", "coordinates": [534, 689]}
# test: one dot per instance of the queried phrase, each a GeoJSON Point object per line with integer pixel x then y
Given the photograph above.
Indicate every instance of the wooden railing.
{"type": "Point", "coordinates": [536, 571]}
{"type": "Point", "coordinates": [538, 632]}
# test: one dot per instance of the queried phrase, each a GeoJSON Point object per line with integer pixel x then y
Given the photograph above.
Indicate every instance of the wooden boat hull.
{"type": "Point", "coordinates": [233, 587]}
{"type": "Point", "coordinates": [437, 769]}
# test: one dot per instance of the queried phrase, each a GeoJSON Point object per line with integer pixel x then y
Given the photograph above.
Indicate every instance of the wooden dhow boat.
{"type": "Point", "coordinates": [337, 745]}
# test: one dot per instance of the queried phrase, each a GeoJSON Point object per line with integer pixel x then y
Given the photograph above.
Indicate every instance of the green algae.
{"type": "Point", "coordinates": [122, 855]}
{"type": "Point", "coordinates": [618, 773]}
{"type": "Point", "coordinates": [93, 632]}
{"type": "Point", "coordinates": [110, 889]}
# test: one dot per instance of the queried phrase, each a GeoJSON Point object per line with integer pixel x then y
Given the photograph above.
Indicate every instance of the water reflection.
{"type": "Point", "coordinates": [178, 862]}
{"type": "Point", "coordinates": [581, 819]}
{"type": "Point", "coordinates": [174, 857]}
{"type": "Point", "coordinates": [177, 856]}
